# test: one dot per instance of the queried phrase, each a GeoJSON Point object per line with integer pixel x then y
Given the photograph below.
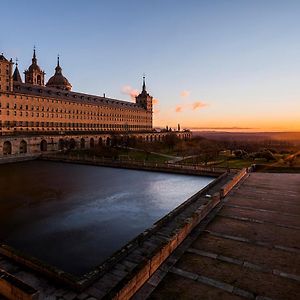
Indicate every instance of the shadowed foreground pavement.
{"type": "Point", "coordinates": [249, 250]}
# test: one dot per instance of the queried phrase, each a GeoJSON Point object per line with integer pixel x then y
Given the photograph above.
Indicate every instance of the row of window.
{"type": "Point", "coordinates": [90, 113]}
{"type": "Point", "coordinates": [6, 71]}
{"type": "Point", "coordinates": [105, 117]}
{"type": "Point", "coordinates": [88, 110]}
{"type": "Point", "coordinates": [105, 103]}
{"type": "Point", "coordinates": [49, 125]}
{"type": "Point", "coordinates": [7, 88]}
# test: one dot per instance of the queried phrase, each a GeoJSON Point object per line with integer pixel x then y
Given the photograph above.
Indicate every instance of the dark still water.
{"type": "Point", "coordinates": [75, 216]}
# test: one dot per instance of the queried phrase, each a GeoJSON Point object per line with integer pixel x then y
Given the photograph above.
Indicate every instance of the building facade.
{"type": "Point", "coordinates": [35, 107]}
{"type": "Point", "coordinates": [49, 111]}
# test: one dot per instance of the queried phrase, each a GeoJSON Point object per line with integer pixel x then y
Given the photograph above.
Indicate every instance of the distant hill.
{"type": "Point", "coordinates": [249, 136]}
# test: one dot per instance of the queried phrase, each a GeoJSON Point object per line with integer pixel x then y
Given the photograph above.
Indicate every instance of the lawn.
{"type": "Point", "coordinates": [141, 156]}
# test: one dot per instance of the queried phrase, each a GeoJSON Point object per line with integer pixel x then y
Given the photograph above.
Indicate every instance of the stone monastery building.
{"type": "Point", "coordinates": [35, 106]}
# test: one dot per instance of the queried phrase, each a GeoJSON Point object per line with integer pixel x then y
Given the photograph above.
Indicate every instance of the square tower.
{"type": "Point", "coordinates": [6, 79]}
{"type": "Point", "coordinates": [144, 99]}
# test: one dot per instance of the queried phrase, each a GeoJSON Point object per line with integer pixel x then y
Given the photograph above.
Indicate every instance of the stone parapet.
{"type": "Point", "coordinates": [15, 289]}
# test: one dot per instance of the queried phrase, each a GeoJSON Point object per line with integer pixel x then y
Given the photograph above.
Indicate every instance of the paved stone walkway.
{"type": "Point", "coordinates": [248, 248]}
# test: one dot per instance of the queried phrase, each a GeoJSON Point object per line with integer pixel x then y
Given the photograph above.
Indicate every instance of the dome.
{"type": "Point", "coordinates": [58, 81]}
{"type": "Point", "coordinates": [34, 74]}
{"type": "Point", "coordinates": [34, 67]}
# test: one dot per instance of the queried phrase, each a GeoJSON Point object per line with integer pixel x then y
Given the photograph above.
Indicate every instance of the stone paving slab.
{"type": "Point", "coordinates": [260, 283]}
{"type": "Point", "coordinates": [268, 233]}
{"type": "Point", "coordinates": [266, 257]}
{"type": "Point", "coordinates": [259, 203]}
{"type": "Point", "coordinates": [188, 289]}
{"type": "Point", "coordinates": [265, 216]}
{"type": "Point", "coordinates": [250, 249]}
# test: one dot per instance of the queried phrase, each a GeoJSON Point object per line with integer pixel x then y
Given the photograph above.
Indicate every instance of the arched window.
{"type": "Point", "coordinates": [39, 80]}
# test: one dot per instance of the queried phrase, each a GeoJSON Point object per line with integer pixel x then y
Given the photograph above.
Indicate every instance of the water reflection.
{"type": "Point", "coordinates": [75, 216]}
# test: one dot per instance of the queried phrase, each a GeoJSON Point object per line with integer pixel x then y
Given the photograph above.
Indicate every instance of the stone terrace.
{"type": "Point", "coordinates": [127, 274]}
{"type": "Point", "coordinates": [247, 248]}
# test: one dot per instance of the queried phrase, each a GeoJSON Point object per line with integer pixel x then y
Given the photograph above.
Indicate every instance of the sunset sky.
{"type": "Point", "coordinates": [208, 64]}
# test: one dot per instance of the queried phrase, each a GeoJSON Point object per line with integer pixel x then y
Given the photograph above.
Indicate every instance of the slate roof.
{"type": "Point", "coordinates": [17, 76]}
{"type": "Point", "coordinates": [2, 57]}
{"type": "Point", "coordinates": [42, 91]}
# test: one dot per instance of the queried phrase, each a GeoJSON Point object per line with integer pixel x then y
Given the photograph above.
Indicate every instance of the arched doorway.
{"type": "Point", "coordinates": [100, 141]}
{"type": "Point", "coordinates": [72, 144]}
{"type": "Point", "coordinates": [43, 145]}
{"type": "Point", "coordinates": [7, 148]}
{"type": "Point", "coordinates": [82, 143]}
{"type": "Point", "coordinates": [92, 143]}
{"type": "Point", "coordinates": [61, 144]}
{"type": "Point", "coordinates": [23, 147]}
{"type": "Point", "coordinates": [107, 141]}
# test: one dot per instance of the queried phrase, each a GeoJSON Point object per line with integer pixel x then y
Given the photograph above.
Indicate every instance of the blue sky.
{"type": "Point", "coordinates": [226, 63]}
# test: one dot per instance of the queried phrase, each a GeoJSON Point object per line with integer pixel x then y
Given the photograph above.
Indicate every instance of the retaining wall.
{"type": "Point", "coordinates": [15, 289]}
{"type": "Point", "coordinates": [147, 166]}
{"type": "Point", "coordinates": [229, 186]}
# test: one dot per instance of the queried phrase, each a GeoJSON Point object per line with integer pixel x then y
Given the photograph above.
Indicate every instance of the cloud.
{"type": "Point", "coordinates": [184, 94]}
{"type": "Point", "coordinates": [190, 106]}
{"type": "Point", "coordinates": [198, 104]}
{"type": "Point", "coordinates": [155, 101]}
{"type": "Point", "coordinates": [156, 111]}
{"type": "Point", "coordinates": [128, 90]}
{"type": "Point", "coordinates": [178, 108]}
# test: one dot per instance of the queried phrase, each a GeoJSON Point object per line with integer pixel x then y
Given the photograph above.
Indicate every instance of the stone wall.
{"type": "Point", "coordinates": [229, 186]}
{"type": "Point", "coordinates": [15, 145]}
{"type": "Point", "coordinates": [15, 289]}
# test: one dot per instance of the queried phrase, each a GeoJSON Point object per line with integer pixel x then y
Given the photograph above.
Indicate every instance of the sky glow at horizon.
{"type": "Point", "coordinates": [208, 64]}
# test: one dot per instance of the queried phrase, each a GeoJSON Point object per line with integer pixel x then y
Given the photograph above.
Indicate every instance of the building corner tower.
{"type": "Point", "coordinates": [6, 78]}
{"type": "Point", "coordinates": [145, 101]}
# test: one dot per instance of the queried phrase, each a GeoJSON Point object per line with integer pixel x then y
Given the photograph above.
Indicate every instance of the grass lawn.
{"type": "Point", "coordinates": [141, 156]}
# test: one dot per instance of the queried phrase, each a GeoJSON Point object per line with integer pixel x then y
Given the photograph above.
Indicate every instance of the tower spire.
{"type": "Point", "coordinates": [144, 84]}
{"type": "Point", "coordinates": [16, 75]}
{"type": "Point", "coordinates": [34, 60]}
{"type": "Point", "coordinates": [58, 69]}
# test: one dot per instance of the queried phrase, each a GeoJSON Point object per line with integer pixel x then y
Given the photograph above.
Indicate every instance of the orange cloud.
{"type": "Point", "coordinates": [198, 104]}
{"type": "Point", "coordinates": [155, 101]}
{"type": "Point", "coordinates": [178, 108]}
{"type": "Point", "coordinates": [156, 111]}
{"type": "Point", "coordinates": [185, 94]}
{"type": "Point", "coordinates": [190, 106]}
{"type": "Point", "coordinates": [128, 90]}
